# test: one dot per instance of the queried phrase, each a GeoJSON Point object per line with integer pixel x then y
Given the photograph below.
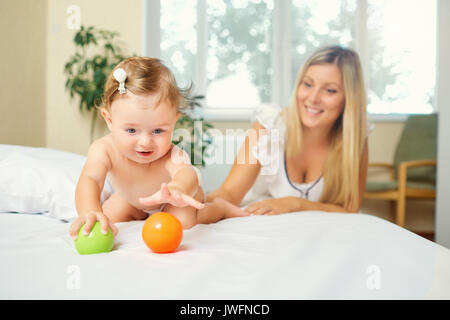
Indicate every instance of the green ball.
{"type": "Point", "coordinates": [95, 242]}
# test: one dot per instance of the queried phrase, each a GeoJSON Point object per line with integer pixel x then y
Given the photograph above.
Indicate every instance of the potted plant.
{"type": "Point", "coordinates": [97, 52]}
{"type": "Point", "coordinates": [192, 119]}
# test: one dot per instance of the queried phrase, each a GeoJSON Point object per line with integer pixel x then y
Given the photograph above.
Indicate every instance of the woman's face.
{"type": "Point", "coordinates": [320, 96]}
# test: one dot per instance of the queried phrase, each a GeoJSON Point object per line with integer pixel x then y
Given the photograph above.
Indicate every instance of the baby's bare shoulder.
{"type": "Point", "coordinates": [176, 158]}
{"type": "Point", "coordinates": [102, 143]}
{"type": "Point", "coordinates": [101, 149]}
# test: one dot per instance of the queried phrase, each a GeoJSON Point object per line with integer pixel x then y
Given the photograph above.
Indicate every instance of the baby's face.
{"type": "Point", "coordinates": [141, 129]}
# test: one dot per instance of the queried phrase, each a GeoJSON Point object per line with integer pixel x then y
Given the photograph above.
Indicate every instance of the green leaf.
{"type": "Point", "coordinates": [90, 99]}
{"type": "Point", "coordinates": [98, 77]}
{"type": "Point", "coordinates": [109, 47]}
{"type": "Point", "coordinates": [78, 39]}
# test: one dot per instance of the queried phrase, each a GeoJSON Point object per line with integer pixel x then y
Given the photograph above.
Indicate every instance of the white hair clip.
{"type": "Point", "coordinates": [120, 75]}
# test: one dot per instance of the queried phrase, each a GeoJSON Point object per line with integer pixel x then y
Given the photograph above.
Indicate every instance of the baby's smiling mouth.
{"type": "Point", "coordinates": [144, 153]}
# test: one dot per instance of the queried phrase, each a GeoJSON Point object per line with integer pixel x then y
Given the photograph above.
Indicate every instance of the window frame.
{"type": "Point", "coordinates": [281, 82]}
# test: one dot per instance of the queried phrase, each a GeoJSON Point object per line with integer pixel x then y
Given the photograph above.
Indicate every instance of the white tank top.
{"type": "Point", "coordinates": [273, 180]}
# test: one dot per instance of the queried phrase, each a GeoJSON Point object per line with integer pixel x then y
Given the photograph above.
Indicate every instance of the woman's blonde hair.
{"type": "Point", "coordinates": [145, 76]}
{"type": "Point", "coordinates": [348, 135]}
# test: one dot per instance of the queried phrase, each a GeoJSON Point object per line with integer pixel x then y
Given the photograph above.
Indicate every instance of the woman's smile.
{"type": "Point", "coordinates": [313, 111]}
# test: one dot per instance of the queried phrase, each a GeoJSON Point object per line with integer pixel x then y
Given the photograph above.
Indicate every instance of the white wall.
{"type": "Point", "coordinates": [443, 102]}
{"type": "Point", "coordinates": [23, 69]}
{"type": "Point", "coordinates": [66, 127]}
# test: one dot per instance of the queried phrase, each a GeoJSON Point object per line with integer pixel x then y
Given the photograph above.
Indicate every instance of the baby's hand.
{"type": "Point", "coordinates": [172, 196]}
{"type": "Point", "coordinates": [90, 218]}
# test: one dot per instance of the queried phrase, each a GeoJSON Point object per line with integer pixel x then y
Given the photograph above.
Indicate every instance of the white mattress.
{"type": "Point", "coordinates": [304, 255]}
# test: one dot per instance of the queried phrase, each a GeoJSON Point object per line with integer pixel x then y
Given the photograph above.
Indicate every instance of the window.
{"type": "Point", "coordinates": [401, 64]}
{"type": "Point", "coordinates": [178, 45]}
{"type": "Point", "coordinates": [241, 53]}
{"type": "Point", "coordinates": [224, 47]}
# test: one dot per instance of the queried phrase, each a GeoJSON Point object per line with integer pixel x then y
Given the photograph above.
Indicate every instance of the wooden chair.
{"type": "Point", "coordinates": [413, 172]}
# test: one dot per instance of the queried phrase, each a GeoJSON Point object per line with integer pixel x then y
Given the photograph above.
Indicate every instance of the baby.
{"type": "Point", "coordinates": [137, 159]}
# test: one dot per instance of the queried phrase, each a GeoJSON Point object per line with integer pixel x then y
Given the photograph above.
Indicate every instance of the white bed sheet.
{"type": "Point", "coordinates": [304, 255]}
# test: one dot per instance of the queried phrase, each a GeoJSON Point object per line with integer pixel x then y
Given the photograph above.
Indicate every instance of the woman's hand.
{"type": "Point", "coordinates": [171, 195]}
{"type": "Point", "coordinates": [89, 219]}
{"type": "Point", "coordinates": [274, 206]}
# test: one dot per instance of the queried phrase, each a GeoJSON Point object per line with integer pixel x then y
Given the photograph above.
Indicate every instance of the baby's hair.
{"type": "Point", "coordinates": [145, 76]}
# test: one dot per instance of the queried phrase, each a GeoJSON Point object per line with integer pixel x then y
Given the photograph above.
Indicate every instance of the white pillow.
{"type": "Point", "coordinates": [39, 180]}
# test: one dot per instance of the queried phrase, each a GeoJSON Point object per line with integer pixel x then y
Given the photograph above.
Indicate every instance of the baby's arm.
{"type": "Point", "coordinates": [88, 190]}
{"type": "Point", "coordinates": [184, 177]}
{"type": "Point", "coordinates": [182, 188]}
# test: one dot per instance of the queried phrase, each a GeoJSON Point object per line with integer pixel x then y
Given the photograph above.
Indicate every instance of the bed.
{"type": "Point", "coordinates": [302, 255]}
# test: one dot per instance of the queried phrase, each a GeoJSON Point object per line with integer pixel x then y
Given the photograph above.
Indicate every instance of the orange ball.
{"type": "Point", "coordinates": [162, 232]}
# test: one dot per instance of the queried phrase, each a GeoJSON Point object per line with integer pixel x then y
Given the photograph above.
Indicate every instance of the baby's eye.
{"type": "Point", "coordinates": [158, 131]}
{"type": "Point", "coordinates": [307, 84]}
{"type": "Point", "coordinates": [331, 90]}
{"type": "Point", "coordinates": [131, 130]}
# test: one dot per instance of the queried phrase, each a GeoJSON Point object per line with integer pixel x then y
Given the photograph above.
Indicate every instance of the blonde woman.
{"type": "Point", "coordinates": [311, 155]}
